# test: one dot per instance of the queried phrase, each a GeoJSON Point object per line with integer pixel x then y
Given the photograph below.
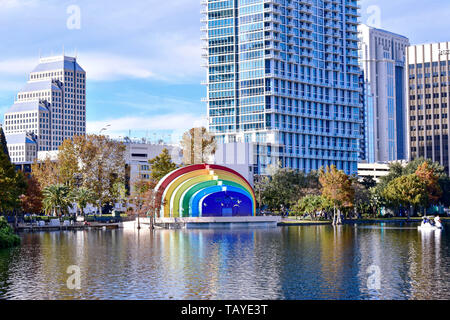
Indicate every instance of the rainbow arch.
{"type": "Point", "coordinates": [205, 190]}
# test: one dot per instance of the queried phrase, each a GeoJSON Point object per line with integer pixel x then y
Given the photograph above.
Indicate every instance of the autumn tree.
{"type": "Point", "coordinates": [337, 188]}
{"type": "Point", "coordinates": [147, 199]}
{"type": "Point", "coordinates": [31, 201]}
{"type": "Point", "coordinates": [46, 172]}
{"type": "Point", "coordinates": [101, 165]}
{"type": "Point", "coordinates": [430, 179]}
{"type": "Point", "coordinates": [161, 165]}
{"type": "Point", "coordinates": [198, 146]}
{"type": "Point", "coordinates": [408, 190]}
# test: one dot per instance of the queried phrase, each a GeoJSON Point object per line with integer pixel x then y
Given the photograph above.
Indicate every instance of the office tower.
{"type": "Point", "coordinates": [52, 105]}
{"type": "Point", "coordinates": [283, 75]}
{"type": "Point", "coordinates": [428, 71]}
{"type": "Point", "coordinates": [22, 147]}
{"type": "Point", "coordinates": [382, 57]}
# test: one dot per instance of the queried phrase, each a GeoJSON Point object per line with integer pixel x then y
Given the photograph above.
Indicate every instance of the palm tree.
{"type": "Point", "coordinates": [82, 196]}
{"type": "Point", "coordinates": [56, 199]}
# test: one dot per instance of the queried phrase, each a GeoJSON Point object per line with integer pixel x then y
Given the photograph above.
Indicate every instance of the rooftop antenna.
{"type": "Point", "coordinates": [63, 51]}
{"type": "Point", "coordinates": [76, 53]}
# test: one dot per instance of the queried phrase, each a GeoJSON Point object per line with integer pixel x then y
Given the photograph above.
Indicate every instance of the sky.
{"type": "Point", "coordinates": [143, 58]}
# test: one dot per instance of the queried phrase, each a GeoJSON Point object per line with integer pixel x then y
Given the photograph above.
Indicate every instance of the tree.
{"type": "Point", "coordinates": [7, 237]}
{"type": "Point", "coordinates": [431, 181]}
{"type": "Point", "coordinates": [362, 197]}
{"type": "Point", "coordinates": [198, 146]}
{"type": "Point", "coordinates": [146, 199]}
{"type": "Point", "coordinates": [82, 197]}
{"type": "Point", "coordinates": [57, 199]}
{"type": "Point", "coordinates": [3, 144]}
{"type": "Point", "coordinates": [395, 170]}
{"type": "Point", "coordinates": [31, 201]}
{"type": "Point", "coordinates": [368, 182]}
{"type": "Point", "coordinates": [311, 205]}
{"type": "Point", "coordinates": [408, 190]}
{"type": "Point", "coordinates": [100, 164]}
{"type": "Point", "coordinates": [337, 188]}
{"type": "Point", "coordinates": [283, 189]}
{"type": "Point", "coordinates": [161, 165]}
{"type": "Point", "coordinates": [68, 164]}
{"type": "Point", "coordinates": [439, 171]}
{"type": "Point", "coordinates": [12, 184]}
{"type": "Point", "coordinates": [46, 172]}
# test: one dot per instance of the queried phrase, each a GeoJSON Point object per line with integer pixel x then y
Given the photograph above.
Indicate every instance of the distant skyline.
{"type": "Point", "coordinates": [143, 58]}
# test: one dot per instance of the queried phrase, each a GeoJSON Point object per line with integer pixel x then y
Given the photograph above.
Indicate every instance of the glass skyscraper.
{"type": "Point", "coordinates": [382, 58]}
{"type": "Point", "coordinates": [284, 75]}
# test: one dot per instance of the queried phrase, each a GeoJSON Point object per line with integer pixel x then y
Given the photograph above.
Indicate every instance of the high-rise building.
{"type": "Point", "coordinates": [429, 91]}
{"type": "Point", "coordinates": [283, 74]}
{"type": "Point", "coordinates": [52, 105]}
{"type": "Point", "coordinates": [382, 57]}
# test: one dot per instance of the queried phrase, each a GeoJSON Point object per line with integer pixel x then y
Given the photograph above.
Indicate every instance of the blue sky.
{"type": "Point", "coordinates": [143, 58]}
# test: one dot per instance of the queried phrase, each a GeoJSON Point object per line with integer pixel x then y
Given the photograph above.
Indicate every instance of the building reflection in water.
{"type": "Point", "coordinates": [315, 262]}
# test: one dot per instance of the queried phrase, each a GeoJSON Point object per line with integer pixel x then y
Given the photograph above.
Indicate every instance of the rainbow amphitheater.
{"type": "Point", "coordinates": [207, 196]}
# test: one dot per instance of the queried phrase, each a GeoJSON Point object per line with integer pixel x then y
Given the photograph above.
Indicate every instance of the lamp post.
{"type": "Point", "coordinates": [139, 222]}
{"type": "Point", "coordinates": [104, 128]}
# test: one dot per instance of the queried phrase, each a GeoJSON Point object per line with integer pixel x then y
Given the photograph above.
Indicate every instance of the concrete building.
{"type": "Point", "coordinates": [284, 74]}
{"type": "Point", "coordinates": [383, 63]}
{"type": "Point", "coordinates": [428, 103]}
{"type": "Point", "coordinates": [137, 155]}
{"type": "Point", "coordinates": [376, 170]}
{"type": "Point", "coordinates": [22, 147]}
{"type": "Point", "coordinates": [373, 170]}
{"type": "Point", "coordinates": [52, 105]}
{"type": "Point", "coordinates": [239, 156]}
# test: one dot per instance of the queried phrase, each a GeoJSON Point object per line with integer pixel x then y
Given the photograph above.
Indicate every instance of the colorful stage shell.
{"type": "Point", "coordinates": [205, 190]}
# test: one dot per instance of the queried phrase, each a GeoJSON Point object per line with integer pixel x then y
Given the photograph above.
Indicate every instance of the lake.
{"type": "Point", "coordinates": [382, 261]}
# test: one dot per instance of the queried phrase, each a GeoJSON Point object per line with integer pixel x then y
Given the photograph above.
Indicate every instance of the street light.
{"type": "Point", "coordinates": [139, 223]}
{"type": "Point", "coordinates": [104, 128]}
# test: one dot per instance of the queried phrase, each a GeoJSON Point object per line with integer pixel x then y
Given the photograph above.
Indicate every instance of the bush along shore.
{"type": "Point", "coordinates": [8, 238]}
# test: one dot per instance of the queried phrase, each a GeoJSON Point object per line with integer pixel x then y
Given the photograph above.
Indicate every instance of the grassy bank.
{"type": "Point", "coordinates": [7, 237]}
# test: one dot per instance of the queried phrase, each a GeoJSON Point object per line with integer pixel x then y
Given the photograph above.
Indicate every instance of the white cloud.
{"type": "Point", "coordinates": [18, 66]}
{"type": "Point", "coordinates": [102, 66]}
{"type": "Point", "coordinates": [177, 124]}
{"type": "Point", "coordinates": [9, 4]}
{"type": "Point", "coordinates": [173, 64]}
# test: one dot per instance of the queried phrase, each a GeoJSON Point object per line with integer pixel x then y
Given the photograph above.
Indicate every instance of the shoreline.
{"type": "Point", "coordinates": [292, 223]}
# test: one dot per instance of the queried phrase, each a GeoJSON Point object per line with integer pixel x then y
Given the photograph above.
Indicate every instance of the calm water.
{"type": "Point", "coordinates": [315, 262]}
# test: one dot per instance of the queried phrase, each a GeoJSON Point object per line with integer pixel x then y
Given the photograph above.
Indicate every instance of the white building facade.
{"type": "Point", "coordinates": [22, 147]}
{"type": "Point", "coordinates": [52, 105]}
{"type": "Point", "coordinates": [239, 156]}
{"type": "Point", "coordinates": [139, 152]}
{"type": "Point", "coordinates": [383, 63]}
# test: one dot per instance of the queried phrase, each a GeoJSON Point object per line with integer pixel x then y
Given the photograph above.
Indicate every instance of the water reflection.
{"type": "Point", "coordinates": [315, 262]}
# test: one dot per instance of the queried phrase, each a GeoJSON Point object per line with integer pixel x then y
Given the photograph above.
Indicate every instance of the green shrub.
{"type": "Point", "coordinates": [7, 237]}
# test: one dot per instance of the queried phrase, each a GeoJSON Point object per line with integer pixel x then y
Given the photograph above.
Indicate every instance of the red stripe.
{"type": "Point", "coordinates": [179, 172]}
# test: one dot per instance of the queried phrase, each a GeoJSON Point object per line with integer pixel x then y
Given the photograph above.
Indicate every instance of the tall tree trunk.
{"type": "Point", "coordinates": [334, 215]}
{"type": "Point", "coordinates": [339, 217]}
